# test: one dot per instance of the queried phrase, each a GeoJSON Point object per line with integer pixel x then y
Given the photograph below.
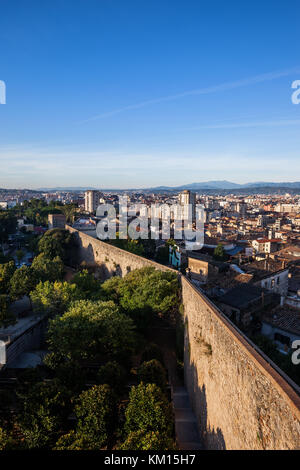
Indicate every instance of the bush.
{"type": "Point", "coordinates": [154, 373]}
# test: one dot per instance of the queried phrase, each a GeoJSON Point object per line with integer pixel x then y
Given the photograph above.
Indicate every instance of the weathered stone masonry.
{"type": "Point", "coordinates": [240, 399]}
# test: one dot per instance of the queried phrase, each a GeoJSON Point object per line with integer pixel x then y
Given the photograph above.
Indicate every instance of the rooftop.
{"type": "Point", "coordinates": [264, 268]}
{"type": "Point", "coordinates": [286, 318]}
{"type": "Point", "coordinates": [241, 295]}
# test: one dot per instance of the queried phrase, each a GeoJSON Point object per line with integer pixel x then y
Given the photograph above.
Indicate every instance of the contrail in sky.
{"type": "Point", "coordinates": [202, 91]}
{"type": "Point", "coordinates": [237, 125]}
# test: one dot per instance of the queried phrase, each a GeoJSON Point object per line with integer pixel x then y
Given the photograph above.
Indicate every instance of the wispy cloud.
{"type": "Point", "coordinates": [237, 125]}
{"type": "Point", "coordinates": [201, 91]}
{"type": "Point", "coordinates": [46, 167]}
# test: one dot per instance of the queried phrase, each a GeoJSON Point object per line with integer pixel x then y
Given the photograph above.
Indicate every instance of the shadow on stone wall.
{"type": "Point", "coordinates": [211, 438]}
{"type": "Point", "coordinates": [88, 257]}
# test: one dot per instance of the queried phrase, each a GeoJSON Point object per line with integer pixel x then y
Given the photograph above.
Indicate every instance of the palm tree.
{"type": "Point", "coordinates": [69, 211]}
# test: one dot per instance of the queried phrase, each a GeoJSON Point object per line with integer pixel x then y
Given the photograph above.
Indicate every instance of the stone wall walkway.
{"type": "Point", "coordinates": [187, 435]}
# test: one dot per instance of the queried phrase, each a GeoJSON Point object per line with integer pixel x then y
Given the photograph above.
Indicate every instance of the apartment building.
{"type": "Point", "coordinates": [92, 200]}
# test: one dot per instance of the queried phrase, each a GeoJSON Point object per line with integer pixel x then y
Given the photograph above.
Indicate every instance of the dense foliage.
{"type": "Point", "coordinates": [148, 410]}
{"type": "Point", "coordinates": [22, 282]}
{"type": "Point", "coordinates": [148, 440]}
{"type": "Point", "coordinates": [6, 272]}
{"type": "Point", "coordinates": [154, 373]}
{"type": "Point", "coordinates": [47, 269]}
{"type": "Point", "coordinates": [8, 224]}
{"type": "Point", "coordinates": [112, 374]}
{"type": "Point", "coordinates": [144, 294]}
{"type": "Point", "coordinates": [152, 351]}
{"type": "Point", "coordinates": [87, 286]}
{"type": "Point", "coordinates": [92, 340]}
{"type": "Point", "coordinates": [53, 298]}
{"type": "Point", "coordinates": [56, 242]}
{"type": "Point", "coordinates": [96, 414]}
{"type": "Point", "coordinates": [90, 329]}
{"type": "Point", "coordinates": [45, 407]}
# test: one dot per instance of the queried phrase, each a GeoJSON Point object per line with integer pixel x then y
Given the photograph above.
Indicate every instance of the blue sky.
{"type": "Point", "coordinates": [115, 93]}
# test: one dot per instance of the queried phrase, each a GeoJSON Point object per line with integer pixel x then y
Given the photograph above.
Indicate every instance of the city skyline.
{"type": "Point", "coordinates": [137, 96]}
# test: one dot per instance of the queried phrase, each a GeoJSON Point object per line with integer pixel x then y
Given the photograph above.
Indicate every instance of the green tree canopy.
{"type": "Point", "coordinates": [72, 441]}
{"type": "Point", "coordinates": [163, 253]}
{"type": "Point", "coordinates": [219, 253]}
{"type": "Point", "coordinates": [128, 244]}
{"type": "Point", "coordinates": [69, 211]}
{"type": "Point", "coordinates": [48, 269]}
{"type": "Point", "coordinates": [45, 407]}
{"type": "Point", "coordinates": [148, 410]}
{"type": "Point", "coordinates": [96, 416]}
{"type": "Point", "coordinates": [8, 225]}
{"type": "Point", "coordinates": [6, 272]}
{"type": "Point", "coordinates": [71, 375]}
{"type": "Point", "coordinates": [88, 287]}
{"type": "Point", "coordinates": [148, 440]}
{"type": "Point", "coordinates": [53, 298]}
{"type": "Point", "coordinates": [89, 329]}
{"type": "Point", "coordinates": [22, 282]}
{"type": "Point", "coordinates": [144, 293]}
{"type": "Point", "coordinates": [152, 351]}
{"type": "Point", "coordinates": [112, 374]}
{"type": "Point", "coordinates": [6, 440]}
{"type": "Point", "coordinates": [154, 373]}
{"type": "Point", "coordinates": [6, 317]}
{"type": "Point", "coordinates": [56, 242]}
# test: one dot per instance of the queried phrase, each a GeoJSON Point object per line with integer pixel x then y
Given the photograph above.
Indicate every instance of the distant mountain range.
{"type": "Point", "coordinates": [227, 185]}
{"type": "Point", "coordinates": [211, 187]}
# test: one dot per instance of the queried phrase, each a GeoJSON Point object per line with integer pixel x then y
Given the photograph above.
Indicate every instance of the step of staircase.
{"type": "Point", "coordinates": [187, 434]}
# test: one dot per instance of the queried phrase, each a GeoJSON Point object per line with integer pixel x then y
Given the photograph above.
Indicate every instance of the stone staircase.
{"type": "Point", "coordinates": [187, 435]}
